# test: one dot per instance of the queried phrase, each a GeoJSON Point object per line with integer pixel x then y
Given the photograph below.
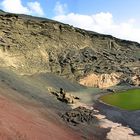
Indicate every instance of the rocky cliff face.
{"type": "Point", "coordinates": [101, 80]}
{"type": "Point", "coordinates": [33, 45]}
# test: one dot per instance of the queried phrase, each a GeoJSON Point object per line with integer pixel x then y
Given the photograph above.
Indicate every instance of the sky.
{"type": "Point", "coordinates": [120, 18]}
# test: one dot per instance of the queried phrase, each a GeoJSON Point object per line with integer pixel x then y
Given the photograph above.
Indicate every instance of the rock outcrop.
{"type": "Point", "coordinates": [101, 81]}
{"type": "Point", "coordinates": [134, 80]}
{"type": "Point", "coordinates": [65, 97]}
{"type": "Point", "coordinates": [80, 115]}
{"type": "Point", "coordinates": [103, 128]}
{"type": "Point", "coordinates": [31, 45]}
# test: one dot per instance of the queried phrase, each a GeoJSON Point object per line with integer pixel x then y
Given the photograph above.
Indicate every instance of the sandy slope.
{"type": "Point", "coordinates": [21, 123]}
{"type": "Point", "coordinates": [29, 113]}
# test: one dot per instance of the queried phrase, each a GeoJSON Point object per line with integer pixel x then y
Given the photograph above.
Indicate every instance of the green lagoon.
{"type": "Point", "coordinates": [128, 100]}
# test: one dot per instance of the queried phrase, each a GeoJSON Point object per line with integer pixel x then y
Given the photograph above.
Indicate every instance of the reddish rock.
{"type": "Point", "coordinates": [20, 123]}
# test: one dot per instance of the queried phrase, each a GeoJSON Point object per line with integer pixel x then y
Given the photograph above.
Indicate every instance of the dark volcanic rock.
{"type": "Point", "coordinates": [83, 119]}
{"type": "Point", "coordinates": [80, 115]}
{"type": "Point", "coordinates": [34, 45]}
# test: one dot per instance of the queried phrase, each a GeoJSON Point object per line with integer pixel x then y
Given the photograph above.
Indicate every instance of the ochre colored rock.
{"type": "Point", "coordinates": [101, 80]}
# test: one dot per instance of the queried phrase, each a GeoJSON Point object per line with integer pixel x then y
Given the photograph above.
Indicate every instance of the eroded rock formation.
{"type": "Point", "coordinates": [135, 80]}
{"type": "Point", "coordinates": [101, 81]}
{"type": "Point", "coordinates": [31, 45]}
{"type": "Point", "coordinates": [65, 97]}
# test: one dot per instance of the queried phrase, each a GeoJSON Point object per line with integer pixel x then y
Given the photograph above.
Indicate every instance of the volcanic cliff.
{"type": "Point", "coordinates": [43, 67]}
{"type": "Point", "coordinates": [30, 45]}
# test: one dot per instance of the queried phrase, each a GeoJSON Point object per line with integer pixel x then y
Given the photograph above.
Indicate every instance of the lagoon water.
{"type": "Point", "coordinates": [128, 100]}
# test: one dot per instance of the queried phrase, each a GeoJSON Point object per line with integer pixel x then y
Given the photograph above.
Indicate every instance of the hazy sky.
{"type": "Point", "coordinates": [120, 18]}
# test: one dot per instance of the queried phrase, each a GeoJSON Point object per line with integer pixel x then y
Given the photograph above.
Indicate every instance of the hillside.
{"type": "Point", "coordinates": [39, 57]}
{"type": "Point", "coordinates": [30, 45]}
